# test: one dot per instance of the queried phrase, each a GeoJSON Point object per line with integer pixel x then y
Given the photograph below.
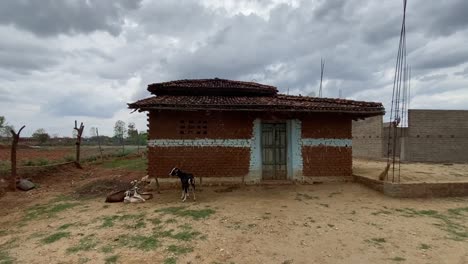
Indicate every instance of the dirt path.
{"type": "Point", "coordinates": [326, 223]}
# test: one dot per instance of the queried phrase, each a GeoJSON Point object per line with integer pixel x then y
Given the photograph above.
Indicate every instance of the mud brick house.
{"type": "Point", "coordinates": [225, 130]}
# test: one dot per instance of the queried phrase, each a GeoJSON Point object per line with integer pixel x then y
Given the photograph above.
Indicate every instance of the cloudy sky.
{"type": "Point", "coordinates": [62, 60]}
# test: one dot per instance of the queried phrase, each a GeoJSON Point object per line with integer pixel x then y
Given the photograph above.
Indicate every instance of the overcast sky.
{"type": "Point", "coordinates": [62, 60]}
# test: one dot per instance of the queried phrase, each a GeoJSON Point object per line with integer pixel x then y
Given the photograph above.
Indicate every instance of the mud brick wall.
{"type": "Point", "coordinates": [208, 144]}
{"type": "Point", "coordinates": [330, 154]}
{"type": "Point", "coordinates": [368, 138]}
{"type": "Point", "coordinates": [437, 135]}
{"type": "Point", "coordinates": [327, 161]}
{"type": "Point", "coordinates": [201, 161]}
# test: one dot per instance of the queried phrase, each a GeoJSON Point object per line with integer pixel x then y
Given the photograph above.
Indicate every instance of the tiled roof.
{"type": "Point", "coordinates": [277, 102]}
{"type": "Point", "coordinates": [211, 87]}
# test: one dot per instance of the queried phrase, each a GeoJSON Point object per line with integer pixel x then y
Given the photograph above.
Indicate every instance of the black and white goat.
{"type": "Point", "coordinates": [187, 180]}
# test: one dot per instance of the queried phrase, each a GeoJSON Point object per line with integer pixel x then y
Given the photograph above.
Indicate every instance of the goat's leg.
{"type": "Point", "coordinates": [193, 190]}
{"type": "Point", "coordinates": [183, 194]}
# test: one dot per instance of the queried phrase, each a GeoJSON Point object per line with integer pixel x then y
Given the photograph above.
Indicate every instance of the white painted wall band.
{"type": "Point", "coordinates": [236, 143]}
{"type": "Point", "coordinates": [244, 143]}
{"type": "Point", "coordinates": [328, 142]}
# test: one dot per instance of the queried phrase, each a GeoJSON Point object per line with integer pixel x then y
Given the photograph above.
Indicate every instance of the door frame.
{"type": "Point", "coordinates": [287, 147]}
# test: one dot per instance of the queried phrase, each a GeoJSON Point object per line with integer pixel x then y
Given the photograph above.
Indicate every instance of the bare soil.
{"type": "Point", "coordinates": [414, 172]}
{"type": "Point", "coordinates": [323, 223]}
{"type": "Point", "coordinates": [56, 153]}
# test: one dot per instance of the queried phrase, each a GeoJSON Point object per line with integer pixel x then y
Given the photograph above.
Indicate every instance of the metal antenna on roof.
{"type": "Point", "coordinates": [322, 67]}
{"type": "Point", "coordinates": [397, 112]}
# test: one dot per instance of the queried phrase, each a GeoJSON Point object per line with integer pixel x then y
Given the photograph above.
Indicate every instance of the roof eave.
{"type": "Point", "coordinates": [367, 113]}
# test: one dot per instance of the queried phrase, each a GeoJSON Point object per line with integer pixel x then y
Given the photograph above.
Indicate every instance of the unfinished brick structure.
{"type": "Point", "coordinates": [235, 131]}
{"type": "Point", "coordinates": [431, 136]}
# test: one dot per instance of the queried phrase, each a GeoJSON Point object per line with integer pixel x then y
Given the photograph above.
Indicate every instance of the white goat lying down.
{"type": "Point", "coordinates": [133, 195]}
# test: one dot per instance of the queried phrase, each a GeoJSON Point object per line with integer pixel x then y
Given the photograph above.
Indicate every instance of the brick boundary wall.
{"type": "Point", "coordinates": [415, 190]}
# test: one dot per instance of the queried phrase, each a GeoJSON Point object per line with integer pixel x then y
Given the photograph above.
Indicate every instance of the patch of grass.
{"type": "Point", "coordinates": [55, 237]}
{"type": "Point", "coordinates": [179, 250]}
{"type": "Point", "coordinates": [171, 260]}
{"type": "Point", "coordinates": [87, 243]}
{"type": "Point", "coordinates": [381, 212]}
{"type": "Point", "coordinates": [171, 221]}
{"type": "Point", "coordinates": [424, 246]}
{"type": "Point", "coordinates": [47, 210]}
{"type": "Point", "coordinates": [107, 249]}
{"type": "Point", "coordinates": [11, 243]}
{"type": "Point", "coordinates": [128, 164]}
{"type": "Point", "coordinates": [458, 211]}
{"type": "Point", "coordinates": [111, 259]}
{"type": "Point", "coordinates": [65, 226]}
{"type": "Point", "coordinates": [185, 227]}
{"type": "Point", "coordinates": [376, 241]}
{"type": "Point", "coordinates": [3, 233]}
{"type": "Point", "coordinates": [35, 162]}
{"type": "Point", "coordinates": [398, 259]}
{"type": "Point", "coordinates": [181, 211]}
{"type": "Point", "coordinates": [145, 243]}
{"type": "Point", "coordinates": [37, 235]}
{"type": "Point", "coordinates": [83, 260]}
{"type": "Point", "coordinates": [155, 221]}
{"type": "Point", "coordinates": [186, 235]}
{"type": "Point", "coordinates": [136, 225]}
{"type": "Point", "coordinates": [5, 258]}
{"type": "Point", "coordinates": [109, 221]}
{"type": "Point", "coordinates": [457, 231]}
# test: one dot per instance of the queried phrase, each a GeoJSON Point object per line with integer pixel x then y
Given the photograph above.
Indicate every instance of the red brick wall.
{"type": "Point", "coordinates": [233, 125]}
{"type": "Point", "coordinates": [201, 161]}
{"type": "Point", "coordinates": [326, 126]}
{"type": "Point", "coordinates": [234, 161]}
{"type": "Point", "coordinates": [327, 161]}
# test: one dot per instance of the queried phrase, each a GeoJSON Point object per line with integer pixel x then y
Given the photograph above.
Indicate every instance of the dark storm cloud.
{"type": "Point", "coordinates": [176, 18]}
{"type": "Point", "coordinates": [51, 17]}
{"type": "Point", "coordinates": [82, 104]}
{"type": "Point", "coordinates": [463, 73]}
{"type": "Point", "coordinates": [440, 17]}
{"type": "Point", "coordinates": [84, 71]}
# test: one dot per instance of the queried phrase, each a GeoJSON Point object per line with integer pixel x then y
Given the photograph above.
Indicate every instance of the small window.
{"type": "Point", "coordinates": [193, 127]}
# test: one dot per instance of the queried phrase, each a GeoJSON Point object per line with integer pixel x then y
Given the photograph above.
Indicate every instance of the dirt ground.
{"type": "Point", "coordinates": [321, 223]}
{"type": "Point", "coordinates": [414, 172]}
{"type": "Point", "coordinates": [56, 153]}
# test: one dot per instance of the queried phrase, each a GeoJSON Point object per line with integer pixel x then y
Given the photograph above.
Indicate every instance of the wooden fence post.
{"type": "Point", "coordinates": [99, 141]}
{"type": "Point", "coordinates": [14, 146]}
{"type": "Point", "coordinates": [78, 142]}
